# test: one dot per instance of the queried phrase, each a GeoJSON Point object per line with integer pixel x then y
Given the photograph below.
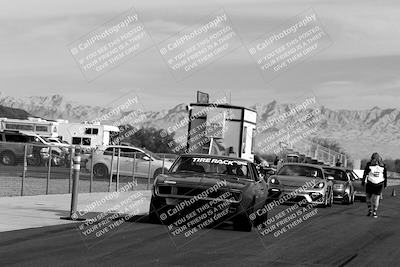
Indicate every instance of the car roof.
{"type": "Point", "coordinates": [214, 156]}
{"type": "Point", "coordinates": [303, 164]}
{"type": "Point", "coordinates": [336, 168]}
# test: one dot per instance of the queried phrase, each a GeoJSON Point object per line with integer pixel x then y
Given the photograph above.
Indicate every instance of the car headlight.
{"type": "Point", "coordinates": [274, 181]}
{"type": "Point", "coordinates": [319, 185]}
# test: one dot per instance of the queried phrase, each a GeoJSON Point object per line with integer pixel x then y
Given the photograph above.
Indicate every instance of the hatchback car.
{"type": "Point", "coordinates": [126, 159]}
{"type": "Point", "coordinates": [295, 182]}
{"type": "Point", "coordinates": [343, 189]}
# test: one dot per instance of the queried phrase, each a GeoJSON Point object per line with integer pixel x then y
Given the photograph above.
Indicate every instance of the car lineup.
{"type": "Point", "coordinates": [193, 174]}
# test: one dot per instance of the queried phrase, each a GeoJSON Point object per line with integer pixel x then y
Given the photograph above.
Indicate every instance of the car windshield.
{"type": "Point", "coordinates": [300, 170]}
{"type": "Point", "coordinates": [212, 165]}
{"type": "Point", "coordinates": [338, 175]}
{"type": "Point", "coordinates": [153, 155]}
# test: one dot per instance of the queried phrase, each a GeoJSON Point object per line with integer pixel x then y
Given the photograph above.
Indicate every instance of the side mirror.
{"type": "Point", "coordinates": [146, 158]}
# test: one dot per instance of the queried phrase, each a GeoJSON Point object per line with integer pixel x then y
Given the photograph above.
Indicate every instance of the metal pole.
{"type": "Point", "coordinates": [163, 164]}
{"type": "Point", "coordinates": [91, 172]}
{"type": "Point", "coordinates": [111, 170]}
{"type": "Point", "coordinates": [72, 153]}
{"type": "Point", "coordinates": [48, 172]}
{"type": "Point", "coordinates": [24, 170]}
{"type": "Point", "coordinates": [134, 167]}
{"type": "Point", "coordinates": [148, 175]}
{"type": "Point", "coordinates": [117, 181]}
{"type": "Point", "coordinates": [74, 198]}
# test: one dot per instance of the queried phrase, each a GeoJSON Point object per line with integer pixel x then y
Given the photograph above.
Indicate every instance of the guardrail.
{"type": "Point", "coordinates": [320, 153]}
{"type": "Point", "coordinates": [36, 169]}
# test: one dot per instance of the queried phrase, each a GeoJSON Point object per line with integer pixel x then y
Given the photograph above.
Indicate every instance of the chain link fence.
{"type": "Point", "coordinates": [37, 169]}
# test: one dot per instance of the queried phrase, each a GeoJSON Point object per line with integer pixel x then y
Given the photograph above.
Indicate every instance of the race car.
{"type": "Point", "coordinates": [203, 185]}
{"type": "Point", "coordinates": [296, 182]}
{"type": "Point", "coordinates": [343, 188]}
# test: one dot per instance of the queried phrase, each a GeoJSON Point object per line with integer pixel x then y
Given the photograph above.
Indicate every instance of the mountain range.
{"type": "Point", "coordinates": [359, 132]}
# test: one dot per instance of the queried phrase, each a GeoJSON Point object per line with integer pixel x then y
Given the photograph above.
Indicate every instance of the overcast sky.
{"type": "Point", "coordinates": [358, 71]}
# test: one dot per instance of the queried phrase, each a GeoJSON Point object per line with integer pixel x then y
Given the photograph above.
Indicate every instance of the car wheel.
{"type": "Point", "coordinates": [242, 221]}
{"type": "Point", "coordinates": [8, 158]}
{"type": "Point", "coordinates": [156, 208]}
{"type": "Point", "coordinates": [100, 171]}
{"type": "Point", "coordinates": [352, 198]}
{"type": "Point", "coordinates": [346, 200]}
{"type": "Point", "coordinates": [330, 203]}
{"type": "Point", "coordinates": [153, 217]}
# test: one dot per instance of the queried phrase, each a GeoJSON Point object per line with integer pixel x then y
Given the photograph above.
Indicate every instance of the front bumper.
{"type": "Point", "coordinates": [316, 196]}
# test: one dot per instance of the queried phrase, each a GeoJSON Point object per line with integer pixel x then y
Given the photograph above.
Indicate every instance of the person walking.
{"type": "Point", "coordinates": [375, 178]}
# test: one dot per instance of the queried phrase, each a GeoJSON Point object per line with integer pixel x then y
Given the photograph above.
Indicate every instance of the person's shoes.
{"type": "Point", "coordinates": [369, 213]}
{"type": "Point", "coordinates": [374, 215]}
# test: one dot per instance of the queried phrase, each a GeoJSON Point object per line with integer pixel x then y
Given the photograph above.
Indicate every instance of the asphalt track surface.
{"type": "Point", "coordinates": [337, 236]}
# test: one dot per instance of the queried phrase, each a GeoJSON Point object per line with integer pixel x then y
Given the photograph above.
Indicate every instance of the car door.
{"type": "Point", "coordinates": [260, 187]}
{"type": "Point", "coordinates": [126, 161]}
{"type": "Point", "coordinates": [141, 163]}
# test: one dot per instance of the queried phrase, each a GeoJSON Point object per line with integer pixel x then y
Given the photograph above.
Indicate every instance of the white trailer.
{"type": "Point", "coordinates": [86, 135]}
{"type": "Point", "coordinates": [31, 125]}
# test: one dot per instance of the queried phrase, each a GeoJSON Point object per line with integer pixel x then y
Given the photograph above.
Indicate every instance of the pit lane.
{"type": "Point", "coordinates": [337, 236]}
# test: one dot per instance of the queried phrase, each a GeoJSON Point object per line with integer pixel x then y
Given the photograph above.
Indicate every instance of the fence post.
{"type": "Point", "coordinates": [163, 164]}
{"type": "Point", "coordinates": [111, 170]}
{"type": "Point", "coordinates": [71, 153]}
{"type": "Point", "coordinates": [118, 162]}
{"type": "Point", "coordinates": [148, 175]}
{"type": "Point", "coordinates": [134, 167]}
{"type": "Point", "coordinates": [24, 170]}
{"type": "Point", "coordinates": [73, 214]}
{"type": "Point", "coordinates": [48, 172]}
{"type": "Point", "coordinates": [91, 171]}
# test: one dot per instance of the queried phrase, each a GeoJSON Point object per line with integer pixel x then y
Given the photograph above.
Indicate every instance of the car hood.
{"type": "Point", "coordinates": [206, 180]}
{"type": "Point", "coordinates": [296, 181]}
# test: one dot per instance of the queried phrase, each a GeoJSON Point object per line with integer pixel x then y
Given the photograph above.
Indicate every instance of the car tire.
{"type": "Point", "coordinates": [329, 202]}
{"type": "Point", "coordinates": [156, 208]}
{"type": "Point", "coordinates": [242, 223]}
{"type": "Point", "coordinates": [8, 158]}
{"type": "Point", "coordinates": [352, 198]}
{"type": "Point", "coordinates": [100, 171]}
{"type": "Point", "coordinates": [346, 200]}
